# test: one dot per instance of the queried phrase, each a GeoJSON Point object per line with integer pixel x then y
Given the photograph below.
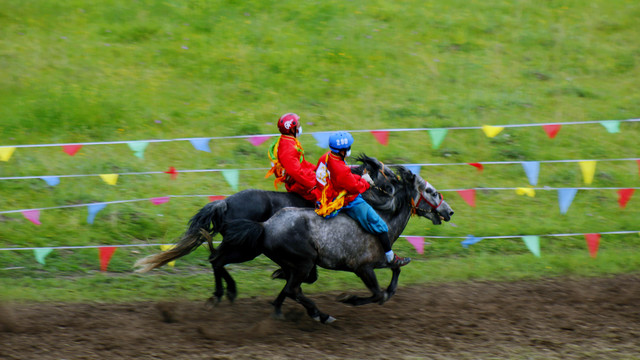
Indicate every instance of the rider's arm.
{"type": "Point", "coordinates": [303, 173]}
{"type": "Point", "coordinates": [342, 177]}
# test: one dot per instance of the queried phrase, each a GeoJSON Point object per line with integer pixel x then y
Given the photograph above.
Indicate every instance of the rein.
{"type": "Point", "coordinates": [414, 204]}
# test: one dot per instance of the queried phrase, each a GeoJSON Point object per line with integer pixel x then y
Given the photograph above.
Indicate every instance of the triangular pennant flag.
{"type": "Point", "coordinates": [478, 166]}
{"type": "Point", "coordinates": [470, 240]}
{"type": "Point", "coordinates": [624, 195]}
{"type": "Point", "coordinates": [172, 171]}
{"type": "Point", "coordinates": [612, 126]}
{"type": "Point", "coordinates": [232, 177]}
{"type": "Point", "coordinates": [492, 131]}
{"type": "Point", "coordinates": [382, 136]}
{"type": "Point", "coordinates": [532, 169]}
{"type": "Point", "coordinates": [469, 196]}
{"type": "Point", "coordinates": [414, 168]}
{"type": "Point", "coordinates": [552, 130]}
{"type": "Point", "coordinates": [93, 210]}
{"type": "Point", "coordinates": [138, 148]}
{"type": "Point", "coordinates": [216, 197]}
{"type": "Point", "coordinates": [526, 191]}
{"type": "Point", "coordinates": [110, 179]}
{"type": "Point", "coordinates": [533, 244]}
{"type": "Point", "coordinates": [6, 152]}
{"type": "Point", "coordinates": [51, 180]}
{"type": "Point", "coordinates": [159, 200]}
{"type": "Point", "coordinates": [71, 149]}
{"type": "Point", "coordinates": [258, 139]}
{"type": "Point", "coordinates": [322, 139]}
{"type": "Point", "coordinates": [588, 170]}
{"type": "Point", "coordinates": [33, 216]}
{"type": "Point", "coordinates": [41, 253]}
{"type": "Point", "coordinates": [565, 198]}
{"type": "Point", "coordinates": [437, 136]}
{"type": "Point", "coordinates": [105, 255]}
{"type": "Point", "coordinates": [417, 242]}
{"type": "Point", "coordinates": [165, 248]}
{"type": "Point", "coordinates": [201, 144]}
{"type": "Point", "coordinates": [593, 241]}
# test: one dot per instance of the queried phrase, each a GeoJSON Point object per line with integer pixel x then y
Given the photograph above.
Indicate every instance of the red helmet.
{"type": "Point", "coordinates": [288, 123]}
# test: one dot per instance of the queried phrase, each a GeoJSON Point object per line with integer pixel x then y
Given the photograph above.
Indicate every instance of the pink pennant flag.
{"type": "Point", "coordinates": [624, 195]}
{"type": "Point", "coordinates": [552, 130]}
{"type": "Point", "coordinates": [593, 240]}
{"type": "Point", "coordinates": [216, 197]}
{"type": "Point", "coordinates": [159, 200]}
{"type": "Point", "coordinates": [477, 165]}
{"type": "Point", "coordinates": [417, 242]}
{"type": "Point", "coordinates": [381, 136]}
{"type": "Point", "coordinates": [105, 256]}
{"type": "Point", "coordinates": [469, 196]}
{"type": "Point", "coordinates": [258, 139]}
{"type": "Point", "coordinates": [71, 149]}
{"type": "Point", "coordinates": [33, 216]}
{"type": "Point", "coordinates": [173, 172]}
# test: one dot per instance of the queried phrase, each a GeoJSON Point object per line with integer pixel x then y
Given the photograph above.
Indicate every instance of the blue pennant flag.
{"type": "Point", "coordinates": [470, 240]}
{"type": "Point", "coordinates": [93, 210]}
{"type": "Point", "coordinates": [532, 169]}
{"type": "Point", "coordinates": [565, 197]}
{"type": "Point", "coordinates": [201, 144]}
{"type": "Point", "coordinates": [51, 180]}
{"type": "Point", "coordinates": [414, 168]}
{"type": "Point", "coordinates": [322, 139]}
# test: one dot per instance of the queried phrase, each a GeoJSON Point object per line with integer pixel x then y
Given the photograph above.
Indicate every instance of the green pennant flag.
{"type": "Point", "coordinates": [437, 135]}
{"type": "Point", "coordinates": [138, 148]}
{"type": "Point", "coordinates": [41, 253]}
{"type": "Point", "coordinates": [612, 126]}
{"type": "Point", "coordinates": [533, 244]}
{"type": "Point", "coordinates": [232, 178]}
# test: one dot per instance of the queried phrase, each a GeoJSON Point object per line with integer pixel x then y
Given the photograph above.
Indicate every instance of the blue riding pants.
{"type": "Point", "coordinates": [364, 214]}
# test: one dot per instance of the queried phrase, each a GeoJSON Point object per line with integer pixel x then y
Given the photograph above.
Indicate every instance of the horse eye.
{"type": "Point", "coordinates": [429, 190]}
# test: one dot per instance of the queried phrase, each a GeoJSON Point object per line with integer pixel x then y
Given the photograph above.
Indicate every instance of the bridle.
{"type": "Point", "coordinates": [414, 204]}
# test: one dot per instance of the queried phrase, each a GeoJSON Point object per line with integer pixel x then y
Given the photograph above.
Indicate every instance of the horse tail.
{"type": "Point", "coordinates": [210, 218]}
{"type": "Point", "coordinates": [245, 234]}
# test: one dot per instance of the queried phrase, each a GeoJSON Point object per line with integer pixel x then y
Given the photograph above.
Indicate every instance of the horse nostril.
{"type": "Point", "coordinates": [451, 213]}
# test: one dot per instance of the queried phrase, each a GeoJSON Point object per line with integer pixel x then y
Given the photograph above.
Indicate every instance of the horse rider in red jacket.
{"type": "Point", "coordinates": [289, 164]}
{"type": "Point", "coordinates": [342, 192]}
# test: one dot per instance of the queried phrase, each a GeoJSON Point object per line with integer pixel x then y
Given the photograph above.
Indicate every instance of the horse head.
{"type": "Point", "coordinates": [426, 201]}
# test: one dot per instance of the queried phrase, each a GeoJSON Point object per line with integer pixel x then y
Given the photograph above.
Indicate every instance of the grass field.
{"type": "Point", "coordinates": [123, 71]}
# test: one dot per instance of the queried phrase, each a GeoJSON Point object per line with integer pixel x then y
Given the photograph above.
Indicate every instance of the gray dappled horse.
{"type": "Point", "coordinates": [299, 240]}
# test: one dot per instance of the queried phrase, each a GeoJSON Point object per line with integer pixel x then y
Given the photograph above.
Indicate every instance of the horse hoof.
{"type": "Point", "coordinates": [277, 316]}
{"type": "Point", "coordinates": [329, 320]}
{"type": "Point", "coordinates": [278, 274]}
{"type": "Point", "coordinates": [232, 297]}
{"type": "Point", "coordinates": [385, 296]}
{"type": "Point", "coordinates": [212, 302]}
{"type": "Point", "coordinates": [344, 297]}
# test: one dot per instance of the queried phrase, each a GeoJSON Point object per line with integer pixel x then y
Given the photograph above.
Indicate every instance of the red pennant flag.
{"type": "Point", "coordinates": [477, 165]}
{"type": "Point", "coordinates": [105, 255]}
{"type": "Point", "coordinates": [381, 136]}
{"type": "Point", "coordinates": [624, 195]}
{"type": "Point", "coordinates": [173, 172]}
{"type": "Point", "coordinates": [593, 240]}
{"type": "Point", "coordinates": [552, 130]}
{"type": "Point", "coordinates": [71, 149]}
{"type": "Point", "coordinates": [417, 242]}
{"type": "Point", "coordinates": [469, 196]}
{"type": "Point", "coordinates": [216, 197]}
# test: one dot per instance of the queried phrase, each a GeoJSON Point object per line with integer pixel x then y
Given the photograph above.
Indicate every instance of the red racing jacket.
{"type": "Point", "coordinates": [299, 175]}
{"type": "Point", "coordinates": [340, 178]}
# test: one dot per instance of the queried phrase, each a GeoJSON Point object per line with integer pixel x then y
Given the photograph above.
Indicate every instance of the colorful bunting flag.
{"type": "Point", "coordinates": [469, 196]}
{"type": "Point", "coordinates": [382, 136]}
{"type": "Point", "coordinates": [552, 130]}
{"type": "Point", "coordinates": [258, 139]}
{"type": "Point", "coordinates": [414, 168]}
{"type": "Point", "coordinates": [51, 180]}
{"type": "Point", "coordinates": [93, 210]}
{"type": "Point", "coordinates": [216, 197]}
{"type": "Point", "coordinates": [565, 198]}
{"type": "Point", "coordinates": [172, 171]}
{"type": "Point", "coordinates": [322, 139]}
{"type": "Point", "coordinates": [32, 215]}
{"type": "Point", "coordinates": [593, 241]}
{"type": "Point", "coordinates": [165, 248]}
{"type": "Point", "coordinates": [532, 169]}
{"type": "Point", "coordinates": [588, 170]}
{"type": "Point", "coordinates": [478, 166]}
{"type": "Point", "coordinates": [470, 240]}
{"type": "Point", "coordinates": [110, 179]}
{"type": "Point", "coordinates": [533, 244]}
{"type": "Point", "coordinates": [201, 144]}
{"type": "Point", "coordinates": [105, 254]}
{"type": "Point", "coordinates": [6, 152]}
{"type": "Point", "coordinates": [492, 131]}
{"type": "Point", "coordinates": [624, 195]}
{"type": "Point", "coordinates": [71, 149]}
{"type": "Point", "coordinates": [526, 191]}
{"type": "Point", "coordinates": [612, 126]}
{"type": "Point", "coordinates": [41, 253]}
{"type": "Point", "coordinates": [417, 242]}
{"type": "Point", "coordinates": [437, 136]}
{"type": "Point", "coordinates": [232, 177]}
{"type": "Point", "coordinates": [138, 148]}
{"type": "Point", "coordinates": [159, 200]}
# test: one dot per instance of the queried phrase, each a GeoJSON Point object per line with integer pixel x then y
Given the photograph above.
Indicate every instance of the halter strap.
{"type": "Point", "coordinates": [414, 205]}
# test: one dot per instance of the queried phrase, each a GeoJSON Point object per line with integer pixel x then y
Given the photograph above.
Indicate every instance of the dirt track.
{"type": "Point", "coordinates": [561, 319]}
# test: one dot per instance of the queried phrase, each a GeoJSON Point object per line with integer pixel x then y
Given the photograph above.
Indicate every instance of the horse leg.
{"type": "Point", "coordinates": [292, 290]}
{"type": "Point", "coordinates": [368, 276]}
{"type": "Point", "coordinates": [313, 275]}
{"type": "Point", "coordinates": [393, 285]}
{"type": "Point", "coordinates": [222, 257]}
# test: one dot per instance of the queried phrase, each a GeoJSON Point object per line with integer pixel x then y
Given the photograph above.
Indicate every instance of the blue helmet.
{"type": "Point", "coordinates": [341, 140]}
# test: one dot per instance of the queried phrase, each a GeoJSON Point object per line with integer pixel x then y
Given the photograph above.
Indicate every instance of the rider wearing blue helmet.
{"type": "Point", "coordinates": [343, 191]}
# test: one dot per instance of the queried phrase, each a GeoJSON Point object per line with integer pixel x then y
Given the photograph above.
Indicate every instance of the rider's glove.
{"type": "Point", "coordinates": [368, 179]}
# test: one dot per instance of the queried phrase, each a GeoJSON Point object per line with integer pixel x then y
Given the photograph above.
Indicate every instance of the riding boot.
{"type": "Point", "coordinates": [392, 259]}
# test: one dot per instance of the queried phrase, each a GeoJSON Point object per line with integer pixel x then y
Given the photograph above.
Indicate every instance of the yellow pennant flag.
{"type": "Point", "coordinates": [588, 169]}
{"type": "Point", "coordinates": [492, 131]}
{"type": "Point", "coordinates": [110, 179]}
{"type": "Point", "coordinates": [6, 152]}
{"type": "Point", "coordinates": [526, 191]}
{"type": "Point", "coordinates": [165, 248]}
